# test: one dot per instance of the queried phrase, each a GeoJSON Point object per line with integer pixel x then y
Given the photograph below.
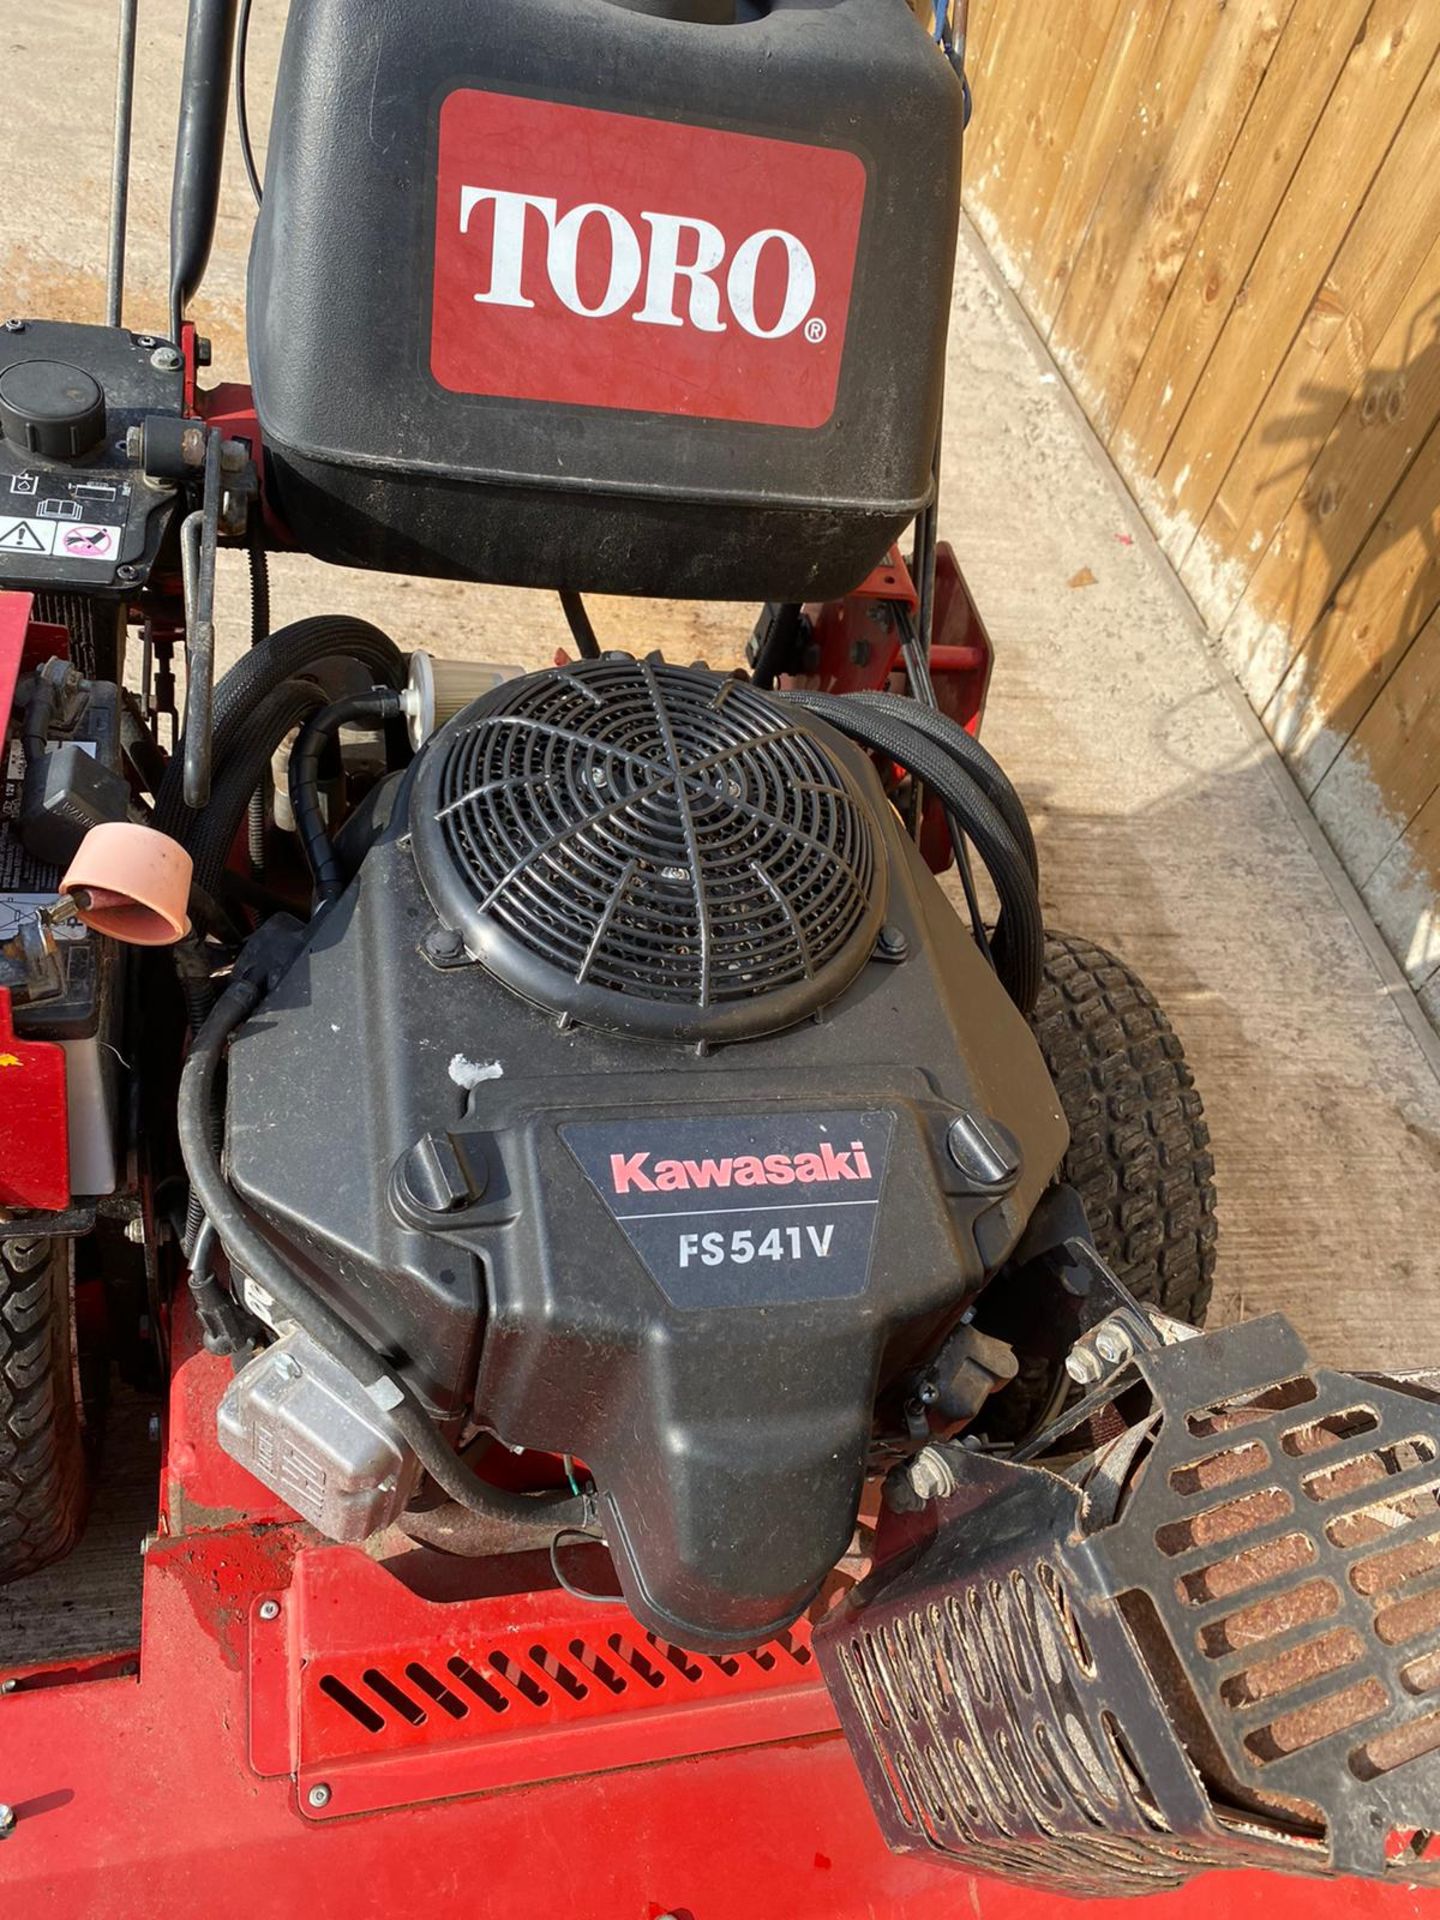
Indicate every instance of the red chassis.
{"type": "Point", "coordinates": [214, 1771]}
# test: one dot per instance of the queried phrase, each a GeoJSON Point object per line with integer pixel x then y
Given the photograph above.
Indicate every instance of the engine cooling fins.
{"type": "Point", "coordinates": [1212, 1641]}
{"type": "Point", "coordinates": [653, 849]}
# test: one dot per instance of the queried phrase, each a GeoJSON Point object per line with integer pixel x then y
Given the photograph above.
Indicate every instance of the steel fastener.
{"type": "Point", "coordinates": [1084, 1366]}
{"type": "Point", "coordinates": [319, 1795]}
{"type": "Point", "coordinates": [14, 326]}
{"type": "Point", "coordinates": [1113, 1342]}
{"type": "Point", "coordinates": [269, 1609]}
{"type": "Point", "coordinates": [7, 1821]}
{"type": "Point", "coordinates": [167, 360]}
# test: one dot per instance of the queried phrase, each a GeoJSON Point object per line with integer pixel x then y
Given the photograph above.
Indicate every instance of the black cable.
{"type": "Point", "coordinates": [578, 621]}
{"type": "Point", "coordinates": [293, 651]}
{"type": "Point", "coordinates": [968, 754]}
{"type": "Point", "coordinates": [251, 1253]}
{"type": "Point", "coordinates": [210, 835]}
{"type": "Point", "coordinates": [242, 109]}
{"type": "Point", "coordinates": [257, 816]}
{"type": "Point", "coordinates": [780, 641]}
{"type": "Point", "coordinates": [1018, 944]}
{"type": "Point", "coordinates": [374, 708]}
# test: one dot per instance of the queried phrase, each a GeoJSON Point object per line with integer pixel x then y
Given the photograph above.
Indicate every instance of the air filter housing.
{"type": "Point", "coordinates": [651, 849]}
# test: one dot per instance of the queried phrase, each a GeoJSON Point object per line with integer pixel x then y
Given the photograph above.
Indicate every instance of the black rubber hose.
{"type": "Point", "coordinates": [578, 621]}
{"type": "Point", "coordinates": [259, 621]}
{"type": "Point", "coordinates": [1018, 946]}
{"type": "Point", "coordinates": [252, 744]}
{"type": "Point", "coordinates": [371, 709]}
{"type": "Point", "coordinates": [967, 752]}
{"type": "Point", "coordinates": [251, 1253]}
{"type": "Point", "coordinates": [290, 653]}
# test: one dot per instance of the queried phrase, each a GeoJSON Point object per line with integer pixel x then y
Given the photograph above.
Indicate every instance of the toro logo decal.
{"type": "Point", "coordinates": [600, 259]}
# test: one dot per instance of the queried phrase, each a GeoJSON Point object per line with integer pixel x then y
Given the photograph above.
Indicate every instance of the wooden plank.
{"type": "Point", "coordinates": [1402, 895]}
{"type": "Point", "coordinates": [1297, 83]}
{"type": "Point", "coordinates": [1384, 422]}
{"type": "Point", "coordinates": [1381, 78]}
{"type": "Point", "coordinates": [1382, 253]}
{"type": "Point", "coordinates": [1390, 765]}
{"type": "Point", "coordinates": [1002, 77]}
{"type": "Point", "coordinates": [1388, 596]}
{"type": "Point", "coordinates": [1009, 204]}
{"type": "Point", "coordinates": [1066, 219]}
{"type": "Point", "coordinates": [1205, 72]}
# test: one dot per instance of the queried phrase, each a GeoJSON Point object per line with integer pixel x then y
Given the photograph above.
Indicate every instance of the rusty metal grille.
{"type": "Point", "coordinates": [1233, 1658]}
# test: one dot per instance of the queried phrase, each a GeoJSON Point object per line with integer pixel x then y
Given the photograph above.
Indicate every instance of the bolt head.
{"type": "Point", "coordinates": [154, 1428]}
{"type": "Point", "coordinates": [269, 1609]}
{"type": "Point", "coordinates": [319, 1795]}
{"type": "Point", "coordinates": [127, 572]}
{"type": "Point", "coordinates": [14, 326]}
{"type": "Point", "coordinates": [1083, 1366]}
{"type": "Point", "coordinates": [135, 1230]}
{"type": "Point", "coordinates": [7, 1821]}
{"type": "Point", "coordinates": [1113, 1343]}
{"type": "Point", "coordinates": [167, 359]}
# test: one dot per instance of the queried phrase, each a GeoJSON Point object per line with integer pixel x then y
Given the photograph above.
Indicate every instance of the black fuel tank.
{"type": "Point", "coordinates": [569, 293]}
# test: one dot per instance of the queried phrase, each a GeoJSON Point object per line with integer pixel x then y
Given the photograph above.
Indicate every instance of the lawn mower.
{"type": "Point", "coordinates": [675, 1299]}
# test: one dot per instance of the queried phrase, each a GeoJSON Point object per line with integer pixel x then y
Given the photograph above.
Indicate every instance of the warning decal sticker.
{"type": "Point", "coordinates": [743, 1209]}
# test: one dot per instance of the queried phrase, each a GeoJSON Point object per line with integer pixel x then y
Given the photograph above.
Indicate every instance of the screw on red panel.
{"type": "Point", "coordinates": [319, 1795]}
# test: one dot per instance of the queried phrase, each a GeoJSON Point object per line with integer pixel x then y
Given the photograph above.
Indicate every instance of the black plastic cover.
{"type": "Point", "coordinates": [650, 391]}
{"type": "Point", "coordinates": [692, 1271]}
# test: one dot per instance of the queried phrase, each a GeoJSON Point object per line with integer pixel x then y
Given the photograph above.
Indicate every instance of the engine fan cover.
{"type": "Point", "coordinates": [650, 849]}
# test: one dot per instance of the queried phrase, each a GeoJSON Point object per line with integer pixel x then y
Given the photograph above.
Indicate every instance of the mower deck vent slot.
{"type": "Point", "coordinates": [1330, 1430]}
{"type": "Point", "coordinates": [484, 1690]}
{"type": "Point", "coordinates": [426, 1682]}
{"type": "Point", "coordinates": [351, 1703]}
{"type": "Point", "coordinates": [394, 1697]}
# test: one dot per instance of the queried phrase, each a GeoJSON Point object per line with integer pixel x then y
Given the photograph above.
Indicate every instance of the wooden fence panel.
{"type": "Point", "coordinates": [1224, 216]}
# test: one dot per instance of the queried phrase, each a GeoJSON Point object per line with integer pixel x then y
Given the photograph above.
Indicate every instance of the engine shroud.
{"type": "Point", "coordinates": [693, 1267]}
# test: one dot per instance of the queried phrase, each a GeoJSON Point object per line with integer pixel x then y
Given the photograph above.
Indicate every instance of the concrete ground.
{"type": "Point", "coordinates": [1167, 828]}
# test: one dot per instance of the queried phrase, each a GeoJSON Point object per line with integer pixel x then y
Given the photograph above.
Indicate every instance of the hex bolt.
{"type": "Point", "coordinates": [930, 1474]}
{"type": "Point", "coordinates": [167, 359]}
{"type": "Point", "coordinates": [269, 1610]}
{"type": "Point", "coordinates": [14, 326]}
{"type": "Point", "coordinates": [319, 1795]}
{"type": "Point", "coordinates": [1084, 1366]}
{"type": "Point", "coordinates": [892, 944]}
{"type": "Point", "coordinates": [135, 1230]}
{"type": "Point", "coordinates": [1113, 1342]}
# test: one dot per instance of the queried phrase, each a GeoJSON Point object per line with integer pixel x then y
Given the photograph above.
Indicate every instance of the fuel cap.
{"type": "Point", "coordinates": [51, 408]}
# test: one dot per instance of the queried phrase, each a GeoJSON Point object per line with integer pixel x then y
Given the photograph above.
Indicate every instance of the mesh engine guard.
{"type": "Point", "coordinates": [1201, 1634]}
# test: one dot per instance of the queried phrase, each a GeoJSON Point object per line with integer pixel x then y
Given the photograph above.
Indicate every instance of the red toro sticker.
{"type": "Point", "coordinates": [602, 260]}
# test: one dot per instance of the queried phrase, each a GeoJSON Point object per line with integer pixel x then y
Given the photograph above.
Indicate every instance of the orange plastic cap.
{"type": "Point", "coordinates": [131, 883]}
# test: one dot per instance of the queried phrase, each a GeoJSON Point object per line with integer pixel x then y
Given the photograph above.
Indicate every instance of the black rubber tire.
{"type": "Point", "coordinates": [1139, 1154]}
{"type": "Point", "coordinates": [43, 1476]}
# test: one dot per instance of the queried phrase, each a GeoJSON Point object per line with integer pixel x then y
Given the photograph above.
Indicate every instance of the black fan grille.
{"type": "Point", "coordinates": [654, 832]}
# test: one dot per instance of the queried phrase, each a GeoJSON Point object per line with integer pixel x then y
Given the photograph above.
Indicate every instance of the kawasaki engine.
{"type": "Point", "coordinates": [642, 1101]}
